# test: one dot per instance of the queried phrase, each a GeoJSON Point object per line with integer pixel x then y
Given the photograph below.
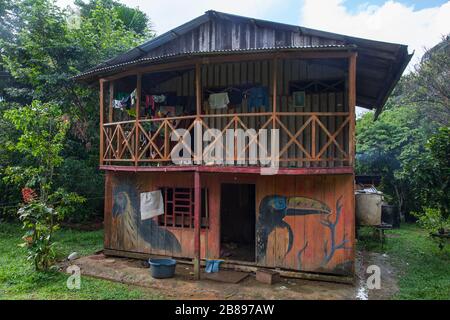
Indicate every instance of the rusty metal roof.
{"type": "Point", "coordinates": [111, 67]}
{"type": "Point", "coordinates": [379, 64]}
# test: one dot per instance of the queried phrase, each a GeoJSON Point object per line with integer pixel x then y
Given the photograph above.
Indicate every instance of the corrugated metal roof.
{"type": "Point", "coordinates": [212, 52]}
{"type": "Point", "coordinates": [379, 65]}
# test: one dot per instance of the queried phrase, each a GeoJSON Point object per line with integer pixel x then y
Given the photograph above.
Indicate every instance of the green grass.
{"type": "Point", "coordinates": [423, 270]}
{"type": "Point", "coordinates": [18, 280]}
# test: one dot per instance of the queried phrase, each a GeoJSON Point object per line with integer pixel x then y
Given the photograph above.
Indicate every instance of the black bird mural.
{"type": "Point", "coordinates": [272, 211]}
{"type": "Point", "coordinates": [129, 225]}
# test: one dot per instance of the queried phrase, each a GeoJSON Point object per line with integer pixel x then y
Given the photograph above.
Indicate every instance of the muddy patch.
{"type": "Point", "coordinates": [183, 285]}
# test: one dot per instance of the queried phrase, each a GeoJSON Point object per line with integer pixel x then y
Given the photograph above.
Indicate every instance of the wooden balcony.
{"type": "Point", "coordinates": [316, 137]}
{"type": "Point", "coordinates": [307, 139]}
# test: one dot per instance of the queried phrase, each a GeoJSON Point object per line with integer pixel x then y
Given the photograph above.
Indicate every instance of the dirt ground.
{"type": "Point", "coordinates": [183, 286]}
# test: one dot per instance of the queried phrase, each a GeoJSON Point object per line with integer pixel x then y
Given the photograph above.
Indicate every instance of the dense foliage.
{"type": "Point", "coordinates": [42, 47]}
{"type": "Point", "coordinates": [409, 145]}
{"type": "Point", "coordinates": [43, 129]}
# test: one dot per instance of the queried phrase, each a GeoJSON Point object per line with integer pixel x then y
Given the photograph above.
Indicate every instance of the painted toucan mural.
{"type": "Point", "coordinates": [272, 211]}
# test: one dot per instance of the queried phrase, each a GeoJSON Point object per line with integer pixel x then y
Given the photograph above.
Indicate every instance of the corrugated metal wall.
{"type": "Point", "coordinates": [260, 73]}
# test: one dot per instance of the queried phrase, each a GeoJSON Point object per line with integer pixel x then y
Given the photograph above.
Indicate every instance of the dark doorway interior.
{"type": "Point", "coordinates": [237, 220]}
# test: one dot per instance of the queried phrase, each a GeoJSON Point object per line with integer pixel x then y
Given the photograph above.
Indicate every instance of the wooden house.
{"type": "Point", "coordinates": [204, 74]}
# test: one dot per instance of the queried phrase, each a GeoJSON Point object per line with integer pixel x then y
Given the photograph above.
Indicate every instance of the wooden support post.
{"type": "Point", "coordinates": [352, 136]}
{"type": "Point", "coordinates": [111, 101]}
{"type": "Point", "coordinates": [198, 89]}
{"type": "Point", "coordinates": [197, 226]}
{"type": "Point", "coordinates": [352, 106]}
{"type": "Point", "coordinates": [110, 129]}
{"type": "Point", "coordinates": [102, 107]}
{"type": "Point", "coordinates": [136, 126]}
{"type": "Point", "coordinates": [274, 91]}
{"type": "Point", "coordinates": [198, 145]}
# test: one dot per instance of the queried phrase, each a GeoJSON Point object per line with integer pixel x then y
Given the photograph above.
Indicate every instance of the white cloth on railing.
{"type": "Point", "coordinates": [152, 204]}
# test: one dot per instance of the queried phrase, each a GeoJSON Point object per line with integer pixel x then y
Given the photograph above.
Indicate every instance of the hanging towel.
{"type": "Point", "coordinates": [133, 97]}
{"type": "Point", "coordinates": [117, 104]}
{"type": "Point", "coordinates": [218, 100]}
{"type": "Point", "coordinates": [152, 204]}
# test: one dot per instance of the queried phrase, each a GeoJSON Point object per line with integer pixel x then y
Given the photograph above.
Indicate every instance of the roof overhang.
{"type": "Point", "coordinates": [379, 64]}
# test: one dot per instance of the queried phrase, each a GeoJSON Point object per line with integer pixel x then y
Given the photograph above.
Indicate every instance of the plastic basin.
{"type": "Point", "coordinates": [162, 268]}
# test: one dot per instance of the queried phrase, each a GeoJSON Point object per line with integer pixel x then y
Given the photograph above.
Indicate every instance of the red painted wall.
{"type": "Point", "coordinates": [312, 246]}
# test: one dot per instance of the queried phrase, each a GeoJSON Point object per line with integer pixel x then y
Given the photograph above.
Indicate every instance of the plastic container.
{"type": "Point", "coordinates": [162, 268]}
{"type": "Point", "coordinates": [390, 215]}
{"type": "Point", "coordinates": [368, 208]}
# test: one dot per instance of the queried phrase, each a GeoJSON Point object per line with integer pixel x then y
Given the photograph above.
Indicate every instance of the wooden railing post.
{"type": "Point", "coordinates": [313, 137]}
{"type": "Point", "coordinates": [274, 91]}
{"type": "Point", "coordinates": [352, 106]}
{"type": "Point", "coordinates": [198, 145]}
{"type": "Point", "coordinates": [197, 223]}
{"type": "Point", "coordinates": [110, 113]}
{"type": "Point", "coordinates": [136, 125]}
{"type": "Point", "coordinates": [101, 121]}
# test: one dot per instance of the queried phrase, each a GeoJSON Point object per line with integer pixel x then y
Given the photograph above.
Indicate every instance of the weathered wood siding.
{"type": "Point", "coordinates": [310, 248]}
{"type": "Point", "coordinates": [226, 35]}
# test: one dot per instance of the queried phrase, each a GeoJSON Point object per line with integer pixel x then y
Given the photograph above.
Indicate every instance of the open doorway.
{"type": "Point", "coordinates": [237, 221]}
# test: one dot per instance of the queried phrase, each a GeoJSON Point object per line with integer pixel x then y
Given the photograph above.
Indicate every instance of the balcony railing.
{"type": "Point", "coordinates": [306, 139]}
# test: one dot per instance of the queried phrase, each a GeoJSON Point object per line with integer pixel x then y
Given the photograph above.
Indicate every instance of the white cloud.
{"type": "Point", "coordinates": [390, 22]}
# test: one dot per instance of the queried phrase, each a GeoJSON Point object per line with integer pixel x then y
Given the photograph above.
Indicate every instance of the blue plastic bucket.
{"type": "Point", "coordinates": [162, 268]}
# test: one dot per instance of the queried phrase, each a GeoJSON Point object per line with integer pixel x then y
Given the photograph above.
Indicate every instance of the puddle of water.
{"type": "Point", "coordinates": [362, 292]}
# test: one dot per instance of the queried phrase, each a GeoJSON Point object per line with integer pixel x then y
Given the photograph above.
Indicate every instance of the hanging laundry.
{"type": "Point", "coordinates": [152, 204]}
{"type": "Point", "coordinates": [235, 97]}
{"type": "Point", "coordinates": [258, 97]}
{"type": "Point", "coordinates": [117, 104]}
{"type": "Point", "coordinates": [150, 104]}
{"type": "Point", "coordinates": [218, 100]}
{"type": "Point", "coordinates": [133, 97]}
{"type": "Point", "coordinates": [126, 102]}
{"type": "Point", "coordinates": [159, 98]}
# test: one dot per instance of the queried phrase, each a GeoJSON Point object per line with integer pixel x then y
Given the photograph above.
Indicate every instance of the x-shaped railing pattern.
{"type": "Point", "coordinates": [135, 141]}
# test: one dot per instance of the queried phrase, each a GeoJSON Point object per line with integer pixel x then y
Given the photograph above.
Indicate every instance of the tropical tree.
{"type": "Point", "coordinates": [42, 48]}
{"type": "Point", "coordinates": [42, 132]}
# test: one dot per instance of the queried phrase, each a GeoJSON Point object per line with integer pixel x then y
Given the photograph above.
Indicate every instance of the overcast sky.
{"type": "Point", "coordinates": [417, 23]}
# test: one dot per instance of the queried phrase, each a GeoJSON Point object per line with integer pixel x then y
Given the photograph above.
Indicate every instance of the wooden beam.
{"type": "Point", "coordinates": [101, 119]}
{"type": "Point", "coordinates": [253, 56]}
{"type": "Point", "coordinates": [198, 88]}
{"type": "Point", "coordinates": [274, 89]}
{"type": "Point", "coordinates": [138, 106]}
{"type": "Point", "coordinates": [111, 101]}
{"type": "Point", "coordinates": [197, 226]}
{"type": "Point", "coordinates": [352, 106]}
{"type": "Point", "coordinates": [191, 61]}
{"type": "Point", "coordinates": [230, 169]}
{"type": "Point", "coordinates": [168, 66]}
